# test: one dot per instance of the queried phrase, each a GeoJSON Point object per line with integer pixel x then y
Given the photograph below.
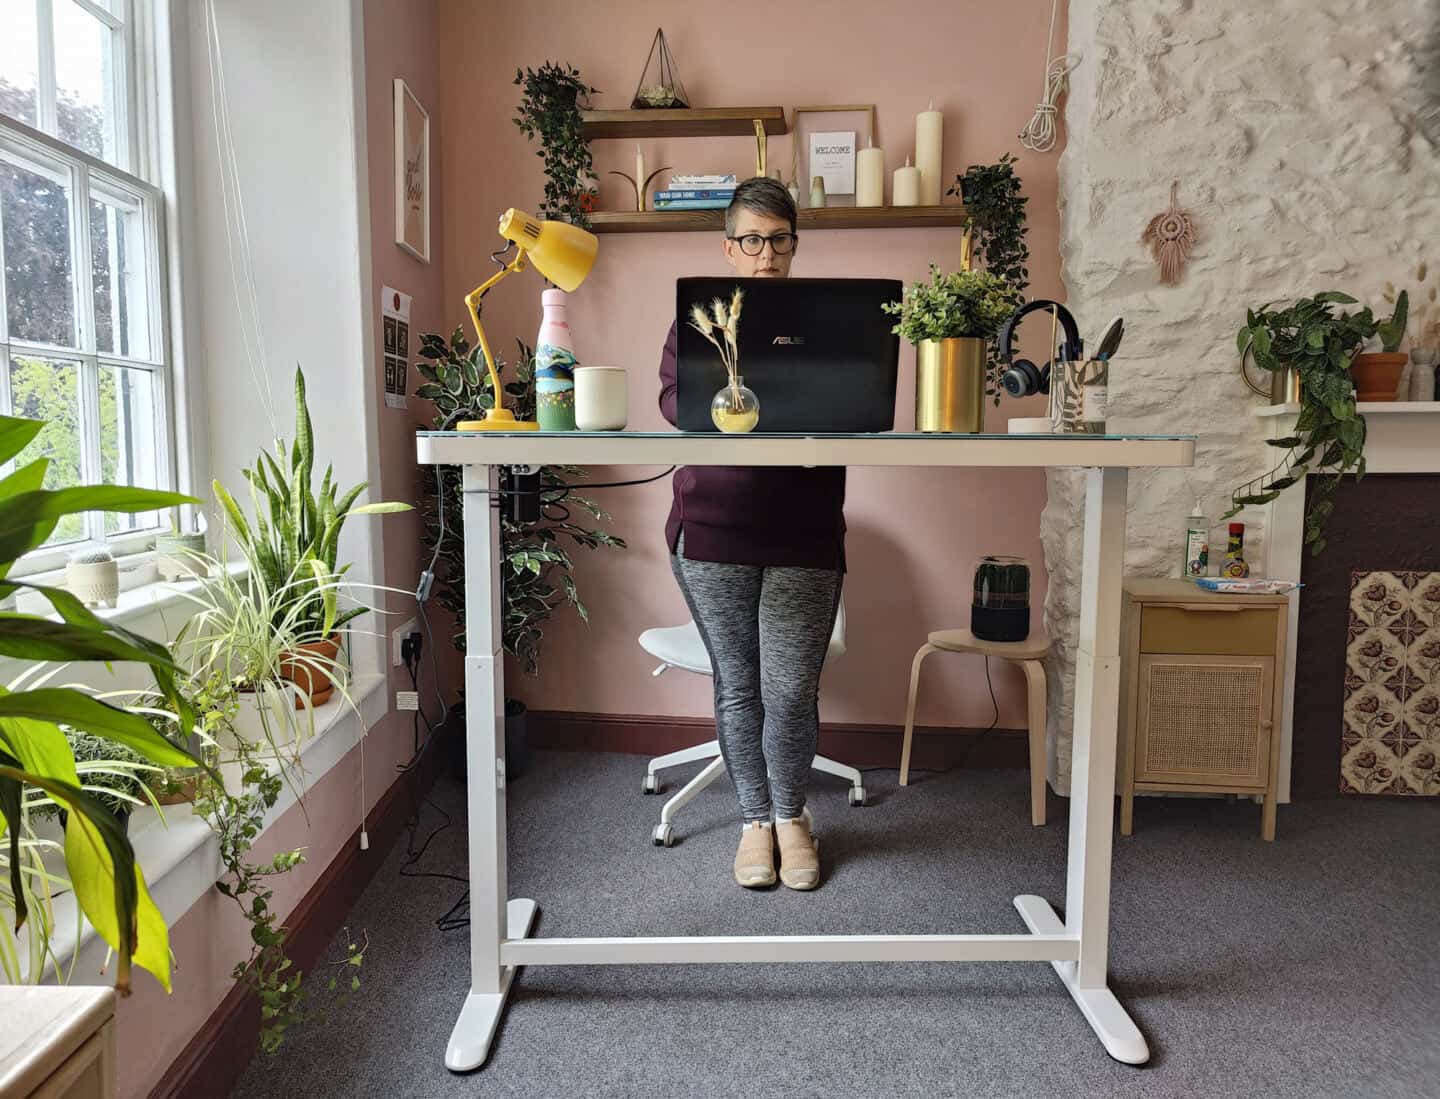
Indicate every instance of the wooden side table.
{"type": "Point", "coordinates": [1202, 675]}
{"type": "Point", "coordinates": [57, 1042]}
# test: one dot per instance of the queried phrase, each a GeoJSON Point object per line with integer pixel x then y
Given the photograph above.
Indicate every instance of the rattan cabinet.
{"type": "Point", "coordinates": [1201, 677]}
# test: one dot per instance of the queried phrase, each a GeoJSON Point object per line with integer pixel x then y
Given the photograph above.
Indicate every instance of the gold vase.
{"type": "Point", "coordinates": [950, 385]}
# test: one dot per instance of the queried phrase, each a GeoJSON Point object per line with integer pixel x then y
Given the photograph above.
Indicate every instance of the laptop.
{"type": "Point", "coordinates": [818, 353]}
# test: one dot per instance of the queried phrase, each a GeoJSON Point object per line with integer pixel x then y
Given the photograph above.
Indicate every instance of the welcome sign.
{"type": "Point", "coordinates": [832, 156]}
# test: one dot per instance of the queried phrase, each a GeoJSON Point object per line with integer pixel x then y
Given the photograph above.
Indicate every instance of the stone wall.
{"type": "Point", "coordinates": [1292, 126]}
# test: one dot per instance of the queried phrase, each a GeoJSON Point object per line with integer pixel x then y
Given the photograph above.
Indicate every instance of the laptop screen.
{"type": "Point", "coordinates": [818, 353]}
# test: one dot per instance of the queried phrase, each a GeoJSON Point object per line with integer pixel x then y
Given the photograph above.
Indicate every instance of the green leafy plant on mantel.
{"type": "Point", "coordinates": [538, 574]}
{"type": "Point", "coordinates": [549, 110]}
{"type": "Point", "coordinates": [1310, 337]}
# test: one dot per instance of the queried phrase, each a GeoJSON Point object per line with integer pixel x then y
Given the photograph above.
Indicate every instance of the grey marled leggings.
{"type": "Point", "coordinates": [766, 630]}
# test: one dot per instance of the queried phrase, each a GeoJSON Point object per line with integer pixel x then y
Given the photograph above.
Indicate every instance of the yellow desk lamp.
{"type": "Point", "coordinates": [561, 252]}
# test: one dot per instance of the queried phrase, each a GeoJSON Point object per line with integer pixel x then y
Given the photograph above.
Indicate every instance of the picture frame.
{"type": "Point", "coordinates": [856, 117]}
{"type": "Point", "coordinates": [412, 173]}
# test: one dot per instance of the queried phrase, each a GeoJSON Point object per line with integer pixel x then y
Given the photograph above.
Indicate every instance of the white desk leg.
{"type": "Point", "coordinates": [492, 918]}
{"type": "Point", "coordinates": [1092, 774]}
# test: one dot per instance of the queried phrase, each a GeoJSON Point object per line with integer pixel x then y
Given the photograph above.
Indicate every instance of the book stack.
{"type": "Point", "coordinates": [696, 193]}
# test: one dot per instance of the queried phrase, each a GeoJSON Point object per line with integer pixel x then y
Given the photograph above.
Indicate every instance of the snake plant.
{"type": "Point", "coordinates": [292, 543]}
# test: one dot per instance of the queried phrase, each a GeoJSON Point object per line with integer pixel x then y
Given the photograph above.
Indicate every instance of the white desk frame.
{"type": "Point", "coordinates": [500, 940]}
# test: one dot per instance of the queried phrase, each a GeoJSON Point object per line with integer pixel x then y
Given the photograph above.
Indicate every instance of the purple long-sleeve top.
{"type": "Point", "coordinates": [753, 515]}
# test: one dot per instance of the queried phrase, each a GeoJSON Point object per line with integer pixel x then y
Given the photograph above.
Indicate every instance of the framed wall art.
{"type": "Point", "coordinates": [412, 173]}
{"type": "Point", "coordinates": [818, 137]}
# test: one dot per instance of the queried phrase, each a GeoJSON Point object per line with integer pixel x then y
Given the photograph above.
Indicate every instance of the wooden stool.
{"type": "Point", "coordinates": [1030, 655]}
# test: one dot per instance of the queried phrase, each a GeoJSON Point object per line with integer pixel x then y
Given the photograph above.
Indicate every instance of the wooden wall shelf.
{"type": "Point", "coordinates": [831, 217]}
{"type": "Point", "coordinates": [682, 122]}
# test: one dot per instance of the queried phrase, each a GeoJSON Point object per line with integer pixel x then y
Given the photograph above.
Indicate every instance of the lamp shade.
{"type": "Point", "coordinates": [561, 252]}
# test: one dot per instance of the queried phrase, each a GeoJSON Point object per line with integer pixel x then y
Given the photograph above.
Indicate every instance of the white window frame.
{"type": "Point", "coordinates": [85, 174]}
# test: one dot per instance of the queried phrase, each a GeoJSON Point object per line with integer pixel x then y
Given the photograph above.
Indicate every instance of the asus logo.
{"type": "Point", "coordinates": [788, 341]}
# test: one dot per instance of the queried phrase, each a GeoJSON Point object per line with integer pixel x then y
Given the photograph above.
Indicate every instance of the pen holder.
{"type": "Point", "coordinates": [1079, 393]}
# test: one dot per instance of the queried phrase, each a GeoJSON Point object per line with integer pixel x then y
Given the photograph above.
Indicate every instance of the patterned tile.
{"type": "Point", "coordinates": [1390, 740]}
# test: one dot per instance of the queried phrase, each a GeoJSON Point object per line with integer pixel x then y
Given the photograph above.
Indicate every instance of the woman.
{"type": "Point", "coordinates": [759, 555]}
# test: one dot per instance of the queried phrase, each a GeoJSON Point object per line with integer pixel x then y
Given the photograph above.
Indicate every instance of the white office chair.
{"type": "Point", "coordinates": [681, 647]}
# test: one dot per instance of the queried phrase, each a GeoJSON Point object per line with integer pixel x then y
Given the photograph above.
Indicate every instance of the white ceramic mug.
{"type": "Point", "coordinates": [601, 402]}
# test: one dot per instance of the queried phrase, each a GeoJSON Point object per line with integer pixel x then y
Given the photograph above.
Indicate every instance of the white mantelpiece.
{"type": "Point", "coordinates": [1400, 437]}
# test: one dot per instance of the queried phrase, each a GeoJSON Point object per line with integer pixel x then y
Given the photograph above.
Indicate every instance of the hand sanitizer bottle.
{"type": "Point", "coordinates": [1197, 544]}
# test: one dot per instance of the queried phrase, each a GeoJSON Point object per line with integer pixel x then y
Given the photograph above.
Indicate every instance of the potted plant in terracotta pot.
{"type": "Point", "coordinates": [1377, 373]}
{"type": "Point", "coordinates": [293, 552]}
{"type": "Point", "coordinates": [951, 320]}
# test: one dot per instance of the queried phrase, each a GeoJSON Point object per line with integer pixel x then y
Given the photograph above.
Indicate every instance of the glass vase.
{"type": "Point", "coordinates": [735, 409]}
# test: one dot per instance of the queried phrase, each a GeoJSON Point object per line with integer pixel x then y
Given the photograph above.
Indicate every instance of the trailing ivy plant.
{"type": "Point", "coordinates": [237, 819]}
{"type": "Point", "coordinates": [538, 572]}
{"type": "Point", "coordinates": [1329, 439]}
{"type": "Point", "coordinates": [995, 211]}
{"type": "Point", "coordinates": [550, 111]}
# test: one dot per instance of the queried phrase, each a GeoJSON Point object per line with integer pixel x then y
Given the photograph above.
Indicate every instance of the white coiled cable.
{"type": "Point", "coordinates": [1039, 133]}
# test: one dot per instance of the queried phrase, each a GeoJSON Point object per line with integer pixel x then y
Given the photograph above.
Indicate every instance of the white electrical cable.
{"type": "Point", "coordinates": [237, 230]}
{"type": "Point", "coordinates": [1039, 133]}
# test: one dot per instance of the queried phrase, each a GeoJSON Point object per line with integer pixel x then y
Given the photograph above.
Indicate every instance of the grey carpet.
{"type": "Point", "coordinates": [1307, 967]}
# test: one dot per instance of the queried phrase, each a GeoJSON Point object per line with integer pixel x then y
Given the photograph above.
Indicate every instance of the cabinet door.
{"type": "Point", "coordinates": [1204, 720]}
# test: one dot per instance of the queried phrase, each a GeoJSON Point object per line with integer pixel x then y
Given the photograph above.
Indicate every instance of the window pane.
{"type": "Point", "coordinates": [129, 454]}
{"type": "Point", "coordinates": [19, 53]}
{"type": "Point", "coordinates": [49, 389]}
{"type": "Point", "coordinates": [39, 279]}
{"type": "Point", "coordinates": [117, 254]}
{"type": "Point", "coordinates": [85, 60]}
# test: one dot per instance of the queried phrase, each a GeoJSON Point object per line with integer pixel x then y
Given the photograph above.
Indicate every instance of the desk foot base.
{"type": "Point", "coordinates": [1112, 1025]}
{"type": "Point", "coordinates": [480, 1017]}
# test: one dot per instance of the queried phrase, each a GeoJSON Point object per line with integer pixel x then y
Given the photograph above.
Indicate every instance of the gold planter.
{"type": "Point", "coordinates": [950, 385]}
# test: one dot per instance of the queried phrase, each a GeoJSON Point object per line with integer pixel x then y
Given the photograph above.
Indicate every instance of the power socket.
{"type": "Point", "coordinates": [407, 700]}
{"type": "Point", "coordinates": [399, 634]}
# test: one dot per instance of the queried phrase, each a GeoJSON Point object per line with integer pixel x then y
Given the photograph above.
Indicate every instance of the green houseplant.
{"type": "Point", "coordinates": [995, 210]}
{"type": "Point", "coordinates": [952, 319]}
{"type": "Point", "coordinates": [550, 104]}
{"type": "Point", "coordinates": [538, 573]}
{"type": "Point", "coordinates": [1377, 373]}
{"type": "Point", "coordinates": [1319, 344]}
{"type": "Point", "coordinates": [291, 547]}
{"type": "Point", "coordinates": [34, 753]}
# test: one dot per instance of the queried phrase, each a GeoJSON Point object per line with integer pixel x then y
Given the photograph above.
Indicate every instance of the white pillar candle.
{"type": "Point", "coordinates": [905, 191]}
{"type": "Point", "coordinates": [929, 126]}
{"type": "Point", "coordinates": [639, 179]}
{"type": "Point", "coordinates": [870, 177]}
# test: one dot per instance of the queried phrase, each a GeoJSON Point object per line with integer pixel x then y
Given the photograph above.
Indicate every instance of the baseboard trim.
{"type": "Point", "coordinates": [212, 1061]}
{"type": "Point", "coordinates": [858, 745]}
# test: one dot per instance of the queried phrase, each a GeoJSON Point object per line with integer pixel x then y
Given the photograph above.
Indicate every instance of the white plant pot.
{"type": "Point", "coordinates": [94, 583]}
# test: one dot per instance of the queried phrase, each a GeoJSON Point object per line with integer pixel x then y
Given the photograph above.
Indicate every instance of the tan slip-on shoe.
{"type": "Point", "coordinates": [799, 853]}
{"type": "Point", "coordinates": [755, 858]}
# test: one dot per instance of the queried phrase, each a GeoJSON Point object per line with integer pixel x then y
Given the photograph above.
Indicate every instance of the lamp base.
{"type": "Point", "coordinates": [498, 419]}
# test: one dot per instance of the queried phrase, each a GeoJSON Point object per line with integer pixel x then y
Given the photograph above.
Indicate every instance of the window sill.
{"type": "Point", "coordinates": [179, 854]}
{"type": "Point", "coordinates": [142, 593]}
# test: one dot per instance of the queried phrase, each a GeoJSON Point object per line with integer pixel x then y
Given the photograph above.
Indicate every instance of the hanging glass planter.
{"type": "Point", "coordinates": [660, 84]}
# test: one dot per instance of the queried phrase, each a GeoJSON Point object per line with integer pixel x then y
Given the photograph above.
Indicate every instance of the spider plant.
{"type": "Point", "coordinates": [292, 543]}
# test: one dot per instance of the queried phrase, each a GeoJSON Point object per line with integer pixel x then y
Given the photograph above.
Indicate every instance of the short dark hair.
{"type": "Point", "coordinates": [761, 195]}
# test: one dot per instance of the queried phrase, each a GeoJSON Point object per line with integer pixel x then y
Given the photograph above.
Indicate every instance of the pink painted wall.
{"type": "Point", "coordinates": [914, 535]}
{"type": "Point", "coordinates": [401, 39]}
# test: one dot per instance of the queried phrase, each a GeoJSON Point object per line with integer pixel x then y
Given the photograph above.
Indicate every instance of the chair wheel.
{"type": "Point", "coordinates": [857, 795]}
{"type": "Point", "coordinates": [664, 836]}
{"type": "Point", "coordinates": [651, 785]}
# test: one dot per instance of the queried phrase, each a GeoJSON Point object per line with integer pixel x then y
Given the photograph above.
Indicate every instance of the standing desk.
{"type": "Point", "coordinates": [500, 939]}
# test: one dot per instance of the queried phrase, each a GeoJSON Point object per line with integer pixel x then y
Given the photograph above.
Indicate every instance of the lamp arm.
{"type": "Point", "coordinates": [472, 303]}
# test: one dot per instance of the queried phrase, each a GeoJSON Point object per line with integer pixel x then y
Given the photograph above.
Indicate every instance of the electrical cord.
{"type": "Point", "coordinates": [1039, 133]}
{"type": "Point", "coordinates": [970, 749]}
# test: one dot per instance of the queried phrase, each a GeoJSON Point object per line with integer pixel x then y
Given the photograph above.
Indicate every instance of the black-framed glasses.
{"type": "Point", "coordinates": [752, 244]}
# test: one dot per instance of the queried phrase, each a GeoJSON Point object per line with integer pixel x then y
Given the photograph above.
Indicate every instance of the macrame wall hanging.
{"type": "Point", "coordinates": [1171, 236]}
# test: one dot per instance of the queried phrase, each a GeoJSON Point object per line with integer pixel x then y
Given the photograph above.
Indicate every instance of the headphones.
{"type": "Point", "coordinates": [1022, 378]}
